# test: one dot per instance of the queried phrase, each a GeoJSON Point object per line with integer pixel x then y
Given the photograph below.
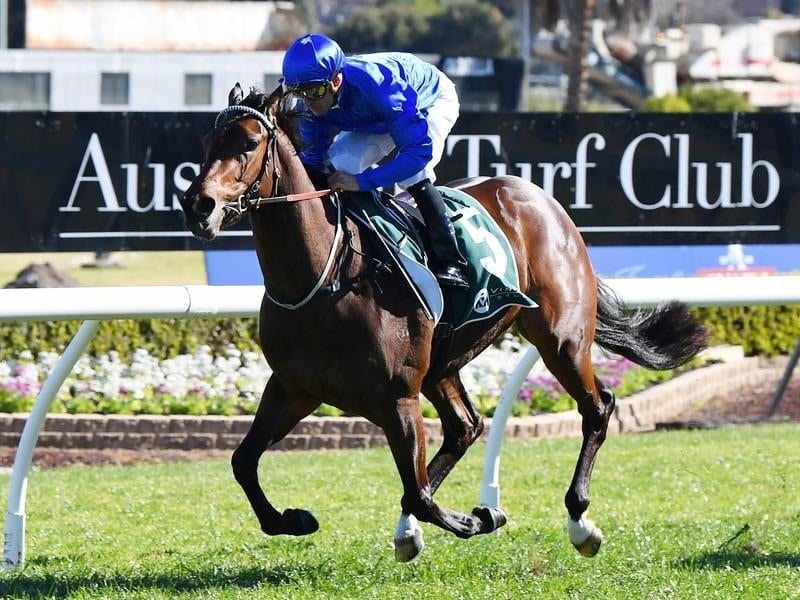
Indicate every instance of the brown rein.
{"type": "Point", "coordinates": [260, 201]}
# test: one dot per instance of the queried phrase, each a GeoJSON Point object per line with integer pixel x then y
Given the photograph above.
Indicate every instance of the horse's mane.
{"type": "Point", "coordinates": [287, 114]}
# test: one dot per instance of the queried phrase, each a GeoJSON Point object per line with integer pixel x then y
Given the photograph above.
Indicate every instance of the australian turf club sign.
{"type": "Point", "coordinates": [102, 181]}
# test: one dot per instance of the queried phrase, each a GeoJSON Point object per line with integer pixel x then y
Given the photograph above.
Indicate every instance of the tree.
{"type": "Point", "coordinates": [479, 28]}
{"type": "Point", "coordinates": [465, 28]}
{"type": "Point", "coordinates": [374, 28]}
{"type": "Point", "coordinates": [620, 14]}
{"type": "Point", "coordinates": [580, 12]}
{"type": "Point", "coordinates": [471, 29]}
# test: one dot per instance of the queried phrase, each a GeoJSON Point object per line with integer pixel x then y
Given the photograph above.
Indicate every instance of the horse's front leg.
{"type": "Point", "coordinates": [277, 414]}
{"type": "Point", "coordinates": [461, 425]}
{"type": "Point", "coordinates": [406, 436]}
{"type": "Point", "coordinates": [583, 533]}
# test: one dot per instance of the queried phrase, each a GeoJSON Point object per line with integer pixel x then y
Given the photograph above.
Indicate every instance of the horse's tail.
{"type": "Point", "coordinates": [658, 338]}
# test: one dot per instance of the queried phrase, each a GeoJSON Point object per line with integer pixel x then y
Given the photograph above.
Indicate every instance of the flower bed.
{"type": "Point", "coordinates": [204, 384]}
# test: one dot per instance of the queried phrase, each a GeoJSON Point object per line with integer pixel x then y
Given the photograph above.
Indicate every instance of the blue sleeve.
{"type": "Point", "coordinates": [409, 130]}
{"type": "Point", "coordinates": [316, 137]}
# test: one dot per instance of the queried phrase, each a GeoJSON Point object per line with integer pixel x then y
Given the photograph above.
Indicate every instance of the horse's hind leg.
{"type": "Point", "coordinates": [583, 533]}
{"type": "Point", "coordinates": [277, 414]}
{"type": "Point", "coordinates": [406, 436]}
{"type": "Point", "coordinates": [564, 342]}
{"type": "Point", "coordinates": [461, 426]}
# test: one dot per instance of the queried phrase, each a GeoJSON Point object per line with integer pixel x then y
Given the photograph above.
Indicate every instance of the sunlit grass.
{"type": "Point", "coordinates": [711, 514]}
{"type": "Point", "coordinates": [133, 268]}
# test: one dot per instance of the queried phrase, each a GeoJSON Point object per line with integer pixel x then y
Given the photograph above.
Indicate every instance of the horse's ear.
{"type": "Point", "coordinates": [236, 95]}
{"type": "Point", "coordinates": [272, 103]}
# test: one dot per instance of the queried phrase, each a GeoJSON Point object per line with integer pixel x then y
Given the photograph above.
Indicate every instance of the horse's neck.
{"type": "Point", "coordinates": [293, 239]}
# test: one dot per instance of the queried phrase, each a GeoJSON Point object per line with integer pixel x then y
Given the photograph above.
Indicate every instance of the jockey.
{"type": "Point", "coordinates": [369, 106]}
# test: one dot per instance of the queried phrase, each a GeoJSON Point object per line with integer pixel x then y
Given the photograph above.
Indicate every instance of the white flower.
{"type": "Point", "coordinates": [231, 375]}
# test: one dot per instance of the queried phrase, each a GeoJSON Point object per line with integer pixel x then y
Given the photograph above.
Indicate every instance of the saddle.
{"type": "Point", "coordinates": [399, 229]}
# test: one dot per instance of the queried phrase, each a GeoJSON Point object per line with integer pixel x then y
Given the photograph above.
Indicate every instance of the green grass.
{"type": "Point", "coordinates": [712, 514]}
{"type": "Point", "coordinates": [134, 268]}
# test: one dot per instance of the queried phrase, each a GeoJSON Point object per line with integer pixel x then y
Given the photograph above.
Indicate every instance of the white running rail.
{"type": "Point", "coordinates": [95, 304]}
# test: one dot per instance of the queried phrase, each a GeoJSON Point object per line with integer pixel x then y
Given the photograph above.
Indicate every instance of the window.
{"type": "Point", "coordinates": [197, 90]}
{"type": "Point", "coordinates": [29, 91]}
{"type": "Point", "coordinates": [114, 88]}
{"type": "Point", "coordinates": [787, 47]}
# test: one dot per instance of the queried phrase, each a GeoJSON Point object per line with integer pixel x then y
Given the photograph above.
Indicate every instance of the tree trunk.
{"type": "Point", "coordinates": [580, 24]}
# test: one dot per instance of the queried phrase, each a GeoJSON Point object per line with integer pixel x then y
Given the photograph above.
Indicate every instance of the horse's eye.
{"type": "Point", "coordinates": [250, 145]}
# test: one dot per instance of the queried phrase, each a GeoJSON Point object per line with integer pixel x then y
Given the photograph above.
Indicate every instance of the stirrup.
{"type": "Point", "coordinates": [451, 276]}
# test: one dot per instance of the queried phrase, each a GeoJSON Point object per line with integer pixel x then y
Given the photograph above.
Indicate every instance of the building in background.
{"type": "Point", "coordinates": [184, 55]}
{"type": "Point", "coordinates": [142, 55]}
{"type": "Point", "coordinates": [760, 59]}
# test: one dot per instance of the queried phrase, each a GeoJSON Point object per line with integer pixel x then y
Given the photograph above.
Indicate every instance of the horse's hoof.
{"type": "Point", "coordinates": [299, 522]}
{"type": "Point", "coordinates": [585, 536]}
{"type": "Point", "coordinates": [406, 549]}
{"type": "Point", "coordinates": [492, 518]}
{"type": "Point", "coordinates": [408, 541]}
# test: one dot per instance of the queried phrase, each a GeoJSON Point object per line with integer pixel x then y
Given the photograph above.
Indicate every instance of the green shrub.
{"type": "Point", "coordinates": [543, 401]}
{"type": "Point", "coordinates": [760, 330]}
{"type": "Point", "coordinates": [715, 99]}
{"type": "Point", "coordinates": [162, 338]}
{"type": "Point", "coordinates": [637, 379]}
{"type": "Point", "coordinates": [13, 402]}
{"type": "Point", "coordinates": [326, 410]}
{"type": "Point", "coordinates": [699, 99]}
{"type": "Point", "coordinates": [670, 103]}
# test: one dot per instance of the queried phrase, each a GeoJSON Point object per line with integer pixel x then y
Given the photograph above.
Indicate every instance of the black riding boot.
{"type": "Point", "coordinates": [440, 229]}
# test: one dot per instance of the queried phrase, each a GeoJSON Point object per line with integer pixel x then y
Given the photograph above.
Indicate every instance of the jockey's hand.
{"type": "Point", "coordinates": [343, 182]}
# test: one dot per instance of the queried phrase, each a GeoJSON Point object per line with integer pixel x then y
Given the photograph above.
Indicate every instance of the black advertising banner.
{"type": "Point", "coordinates": [631, 178]}
{"type": "Point", "coordinates": [104, 181]}
{"type": "Point", "coordinates": [98, 181]}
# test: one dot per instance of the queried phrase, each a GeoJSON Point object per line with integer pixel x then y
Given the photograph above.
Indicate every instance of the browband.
{"type": "Point", "coordinates": [223, 115]}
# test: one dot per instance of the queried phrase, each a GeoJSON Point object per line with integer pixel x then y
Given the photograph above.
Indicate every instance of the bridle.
{"type": "Point", "coordinates": [250, 200]}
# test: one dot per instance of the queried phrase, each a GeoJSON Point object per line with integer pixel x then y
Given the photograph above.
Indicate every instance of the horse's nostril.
{"type": "Point", "coordinates": [204, 206]}
{"type": "Point", "coordinates": [196, 207]}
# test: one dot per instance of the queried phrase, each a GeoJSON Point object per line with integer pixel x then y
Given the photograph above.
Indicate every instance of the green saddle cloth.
{"type": "Point", "coordinates": [491, 270]}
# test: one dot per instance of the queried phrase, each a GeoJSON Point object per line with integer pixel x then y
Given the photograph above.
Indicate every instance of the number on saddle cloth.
{"type": "Point", "coordinates": [491, 270]}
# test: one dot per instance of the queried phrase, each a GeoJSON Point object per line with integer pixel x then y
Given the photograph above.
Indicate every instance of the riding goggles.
{"type": "Point", "coordinates": [310, 91]}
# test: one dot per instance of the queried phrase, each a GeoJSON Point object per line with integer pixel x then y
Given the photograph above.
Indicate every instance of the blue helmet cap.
{"type": "Point", "coordinates": [313, 58]}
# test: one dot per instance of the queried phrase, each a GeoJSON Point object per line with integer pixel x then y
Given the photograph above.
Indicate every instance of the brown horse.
{"type": "Point", "coordinates": [336, 329]}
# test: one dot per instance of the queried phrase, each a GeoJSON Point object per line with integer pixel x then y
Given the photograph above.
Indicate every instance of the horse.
{"type": "Point", "coordinates": [336, 328]}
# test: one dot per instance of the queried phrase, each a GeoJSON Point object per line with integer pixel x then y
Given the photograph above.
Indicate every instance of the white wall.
{"type": "Point", "coordinates": [147, 25]}
{"type": "Point", "coordinates": [156, 78]}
